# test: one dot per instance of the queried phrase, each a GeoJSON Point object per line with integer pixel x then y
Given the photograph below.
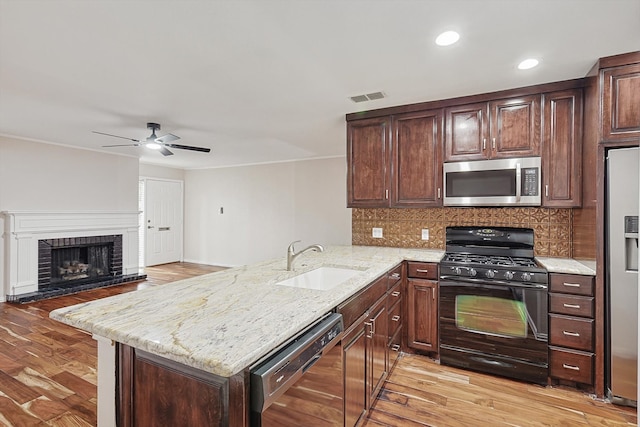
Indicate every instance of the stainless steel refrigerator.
{"type": "Point", "coordinates": [622, 272]}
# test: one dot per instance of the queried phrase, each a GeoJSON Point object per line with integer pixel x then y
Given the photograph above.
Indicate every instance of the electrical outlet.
{"type": "Point", "coordinates": [425, 234]}
{"type": "Point", "coordinates": [376, 232]}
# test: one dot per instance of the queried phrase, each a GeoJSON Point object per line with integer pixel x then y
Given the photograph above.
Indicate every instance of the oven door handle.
{"type": "Point", "coordinates": [471, 281]}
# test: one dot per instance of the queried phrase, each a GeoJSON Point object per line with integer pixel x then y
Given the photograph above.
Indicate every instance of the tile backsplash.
{"type": "Point", "coordinates": [403, 227]}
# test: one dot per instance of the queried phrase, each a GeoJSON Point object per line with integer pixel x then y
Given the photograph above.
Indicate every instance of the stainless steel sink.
{"type": "Point", "coordinates": [321, 279]}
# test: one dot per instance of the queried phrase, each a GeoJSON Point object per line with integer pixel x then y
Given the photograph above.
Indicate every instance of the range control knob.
{"type": "Point", "coordinates": [490, 274]}
{"type": "Point", "coordinates": [526, 276]}
{"type": "Point", "coordinates": [472, 272]}
{"type": "Point", "coordinates": [508, 275]}
{"type": "Point", "coordinates": [456, 270]}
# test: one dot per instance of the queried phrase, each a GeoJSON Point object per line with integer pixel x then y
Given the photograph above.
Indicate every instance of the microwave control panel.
{"type": "Point", "coordinates": [530, 181]}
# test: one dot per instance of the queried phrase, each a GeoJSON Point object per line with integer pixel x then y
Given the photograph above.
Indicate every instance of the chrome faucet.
{"type": "Point", "coordinates": [291, 254]}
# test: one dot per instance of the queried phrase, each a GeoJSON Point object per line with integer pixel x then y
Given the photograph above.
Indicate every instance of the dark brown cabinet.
{"type": "Point", "coordinates": [364, 348]}
{"type": "Point", "coordinates": [368, 163]}
{"type": "Point", "coordinates": [417, 159]}
{"type": "Point", "coordinates": [395, 298]}
{"type": "Point", "coordinates": [422, 306]}
{"type": "Point", "coordinates": [571, 328]}
{"type": "Point", "coordinates": [562, 149]}
{"type": "Point", "coordinates": [621, 102]}
{"type": "Point", "coordinates": [492, 130]}
{"type": "Point", "coordinates": [355, 374]}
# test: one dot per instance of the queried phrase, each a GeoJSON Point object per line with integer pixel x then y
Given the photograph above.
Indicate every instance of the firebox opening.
{"type": "Point", "coordinates": [80, 262]}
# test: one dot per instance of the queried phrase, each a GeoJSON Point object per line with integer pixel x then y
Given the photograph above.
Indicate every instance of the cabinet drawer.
{"type": "Point", "coordinates": [395, 276]}
{"type": "Point", "coordinates": [395, 318]}
{"type": "Point", "coordinates": [571, 305]}
{"type": "Point", "coordinates": [572, 332]}
{"type": "Point", "coordinates": [571, 284]}
{"type": "Point", "coordinates": [395, 348]}
{"type": "Point", "coordinates": [423, 270]}
{"type": "Point", "coordinates": [355, 306]}
{"type": "Point", "coordinates": [571, 365]}
{"type": "Point", "coordinates": [395, 294]}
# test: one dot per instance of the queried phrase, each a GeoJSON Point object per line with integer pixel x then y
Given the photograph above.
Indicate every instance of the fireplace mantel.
{"type": "Point", "coordinates": [23, 230]}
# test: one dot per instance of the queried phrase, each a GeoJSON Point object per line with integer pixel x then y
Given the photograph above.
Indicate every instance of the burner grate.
{"type": "Point", "coordinates": [505, 261]}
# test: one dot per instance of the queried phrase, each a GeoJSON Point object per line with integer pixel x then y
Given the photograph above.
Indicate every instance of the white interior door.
{"type": "Point", "coordinates": [163, 221]}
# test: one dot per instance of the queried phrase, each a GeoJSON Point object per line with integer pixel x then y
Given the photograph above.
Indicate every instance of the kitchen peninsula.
{"type": "Point", "coordinates": [214, 327]}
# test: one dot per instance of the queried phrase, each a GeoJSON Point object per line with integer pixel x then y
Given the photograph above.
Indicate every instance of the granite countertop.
{"type": "Point", "coordinates": [568, 266]}
{"type": "Point", "coordinates": [225, 321]}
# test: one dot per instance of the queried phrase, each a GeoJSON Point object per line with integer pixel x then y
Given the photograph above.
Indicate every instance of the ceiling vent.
{"type": "Point", "coordinates": [368, 97]}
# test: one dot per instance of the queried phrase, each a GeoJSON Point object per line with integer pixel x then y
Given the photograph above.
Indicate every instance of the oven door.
{"type": "Point", "coordinates": [494, 328]}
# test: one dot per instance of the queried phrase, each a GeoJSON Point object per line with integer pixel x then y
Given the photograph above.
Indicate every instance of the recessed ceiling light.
{"type": "Point", "coordinates": [447, 38]}
{"type": "Point", "coordinates": [528, 63]}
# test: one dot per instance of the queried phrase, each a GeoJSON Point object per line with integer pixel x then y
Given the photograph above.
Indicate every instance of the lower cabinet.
{"type": "Point", "coordinates": [371, 343]}
{"type": "Point", "coordinates": [422, 307]}
{"type": "Point", "coordinates": [154, 391]}
{"type": "Point", "coordinates": [571, 328]}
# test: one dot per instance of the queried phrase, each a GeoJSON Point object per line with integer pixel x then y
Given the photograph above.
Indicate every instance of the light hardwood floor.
{"type": "Point", "coordinates": [48, 378]}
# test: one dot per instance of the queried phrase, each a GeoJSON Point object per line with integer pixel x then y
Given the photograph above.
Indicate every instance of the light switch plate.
{"type": "Point", "coordinates": [376, 232]}
{"type": "Point", "coordinates": [425, 234]}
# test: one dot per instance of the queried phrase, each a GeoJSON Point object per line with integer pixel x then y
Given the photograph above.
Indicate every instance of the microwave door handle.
{"type": "Point", "coordinates": [518, 182]}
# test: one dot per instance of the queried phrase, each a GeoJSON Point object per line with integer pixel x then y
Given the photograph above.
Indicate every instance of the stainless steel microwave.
{"type": "Point", "coordinates": [501, 182]}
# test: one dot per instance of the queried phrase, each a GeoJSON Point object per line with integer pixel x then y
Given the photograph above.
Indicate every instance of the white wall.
{"type": "Point", "coordinates": [44, 177]}
{"type": "Point", "coordinates": [154, 171]}
{"type": "Point", "coordinates": [266, 207]}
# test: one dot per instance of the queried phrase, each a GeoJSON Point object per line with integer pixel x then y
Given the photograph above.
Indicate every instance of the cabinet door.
{"type": "Point", "coordinates": [515, 127]}
{"type": "Point", "coordinates": [467, 132]}
{"type": "Point", "coordinates": [367, 161]}
{"type": "Point", "coordinates": [562, 149]}
{"type": "Point", "coordinates": [417, 159]}
{"type": "Point", "coordinates": [355, 373]}
{"type": "Point", "coordinates": [621, 102]}
{"type": "Point", "coordinates": [422, 314]}
{"type": "Point", "coordinates": [377, 350]}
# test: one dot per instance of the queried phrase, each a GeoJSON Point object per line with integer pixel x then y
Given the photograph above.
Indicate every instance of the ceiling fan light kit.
{"type": "Point", "coordinates": [154, 142]}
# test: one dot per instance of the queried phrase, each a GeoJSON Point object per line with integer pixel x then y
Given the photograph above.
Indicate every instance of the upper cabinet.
{"type": "Point", "coordinates": [395, 161]}
{"type": "Point", "coordinates": [417, 159]}
{"type": "Point", "coordinates": [562, 149]}
{"type": "Point", "coordinates": [493, 130]}
{"type": "Point", "coordinates": [621, 102]}
{"type": "Point", "coordinates": [368, 163]}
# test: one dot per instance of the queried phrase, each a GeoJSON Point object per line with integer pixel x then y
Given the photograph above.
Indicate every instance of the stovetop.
{"type": "Point", "coordinates": [498, 254]}
{"type": "Point", "coordinates": [495, 260]}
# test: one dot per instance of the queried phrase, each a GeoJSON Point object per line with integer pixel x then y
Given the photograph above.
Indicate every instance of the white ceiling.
{"type": "Point", "coordinates": [270, 80]}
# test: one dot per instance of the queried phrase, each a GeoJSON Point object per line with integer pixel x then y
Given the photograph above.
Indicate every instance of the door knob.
{"type": "Point", "coordinates": [149, 226]}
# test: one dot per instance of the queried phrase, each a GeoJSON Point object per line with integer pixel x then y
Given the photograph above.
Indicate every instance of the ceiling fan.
{"type": "Point", "coordinates": [156, 143]}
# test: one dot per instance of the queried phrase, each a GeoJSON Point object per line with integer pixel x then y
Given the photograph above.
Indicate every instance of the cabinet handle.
{"type": "Point", "coordinates": [395, 318]}
{"type": "Point", "coordinates": [571, 334]}
{"type": "Point", "coordinates": [370, 325]}
{"type": "Point", "coordinates": [395, 347]}
{"type": "Point", "coordinates": [572, 285]}
{"type": "Point", "coordinates": [484, 143]}
{"type": "Point", "coordinates": [576, 306]}
{"type": "Point", "coordinates": [494, 144]}
{"type": "Point", "coordinates": [386, 194]}
{"type": "Point", "coordinates": [546, 190]}
{"type": "Point", "coordinates": [395, 276]}
{"type": "Point", "coordinates": [422, 270]}
{"type": "Point", "coordinates": [439, 193]}
{"type": "Point", "coordinates": [573, 368]}
{"type": "Point", "coordinates": [395, 293]}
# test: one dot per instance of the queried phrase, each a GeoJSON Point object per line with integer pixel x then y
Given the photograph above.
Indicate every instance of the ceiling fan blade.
{"type": "Point", "coordinates": [165, 152]}
{"type": "Point", "coordinates": [116, 136]}
{"type": "Point", "coordinates": [189, 147]}
{"type": "Point", "coordinates": [122, 145]}
{"type": "Point", "coordinates": [167, 138]}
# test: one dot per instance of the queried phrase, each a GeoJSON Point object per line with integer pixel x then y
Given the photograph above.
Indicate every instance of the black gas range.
{"type": "Point", "coordinates": [493, 303]}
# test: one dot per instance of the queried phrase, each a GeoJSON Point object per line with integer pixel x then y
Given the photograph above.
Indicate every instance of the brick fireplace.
{"type": "Point", "coordinates": [49, 254]}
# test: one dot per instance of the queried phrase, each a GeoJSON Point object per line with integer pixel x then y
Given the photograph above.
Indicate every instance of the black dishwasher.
{"type": "Point", "coordinates": [300, 384]}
